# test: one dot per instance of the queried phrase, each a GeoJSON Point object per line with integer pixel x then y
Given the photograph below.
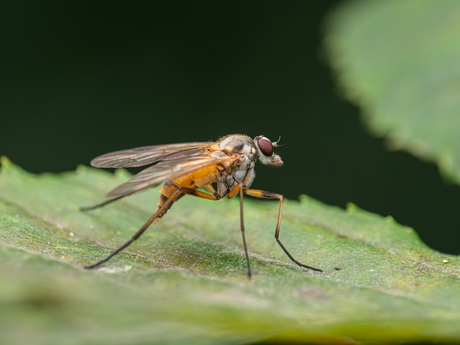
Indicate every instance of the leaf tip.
{"type": "Point", "coordinates": [390, 219]}
{"type": "Point", "coordinates": [81, 169]}
{"type": "Point", "coordinates": [351, 207]}
{"type": "Point", "coordinates": [4, 161]}
{"type": "Point", "coordinates": [303, 198]}
{"type": "Point", "coordinates": [122, 173]}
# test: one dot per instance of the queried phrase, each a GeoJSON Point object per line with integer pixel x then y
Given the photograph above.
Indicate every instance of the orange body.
{"type": "Point", "coordinates": [197, 179]}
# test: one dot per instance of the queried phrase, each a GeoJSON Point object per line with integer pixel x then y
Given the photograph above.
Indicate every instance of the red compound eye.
{"type": "Point", "coordinates": [265, 147]}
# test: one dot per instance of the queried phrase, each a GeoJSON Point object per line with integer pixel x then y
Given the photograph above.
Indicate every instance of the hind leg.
{"type": "Point", "coordinates": [139, 233]}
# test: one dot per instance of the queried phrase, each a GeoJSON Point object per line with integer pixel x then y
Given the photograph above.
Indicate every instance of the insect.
{"type": "Point", "coordinates": [184, 168]}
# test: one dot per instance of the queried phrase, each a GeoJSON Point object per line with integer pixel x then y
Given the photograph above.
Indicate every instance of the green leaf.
{"type": "Point", "coordinates": [185, 279]}
{"type": "Point", "coordinates": [399, 61]}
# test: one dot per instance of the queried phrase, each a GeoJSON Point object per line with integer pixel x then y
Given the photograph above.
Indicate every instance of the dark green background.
{"type": "Point", "coordinates": [79, 79]}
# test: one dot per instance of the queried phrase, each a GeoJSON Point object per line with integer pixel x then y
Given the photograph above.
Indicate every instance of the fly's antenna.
{"type": "Point", "coordinates": [275, 144]}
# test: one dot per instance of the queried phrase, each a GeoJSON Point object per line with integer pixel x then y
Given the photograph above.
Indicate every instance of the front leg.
{"type": "Point", "coordinates": [268, 195]}
{"type": "Point", "coordinates": [240, 188]}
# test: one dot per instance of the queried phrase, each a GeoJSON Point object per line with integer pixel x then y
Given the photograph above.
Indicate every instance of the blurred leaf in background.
{"type": "Point", "coordinates": [399, 61]}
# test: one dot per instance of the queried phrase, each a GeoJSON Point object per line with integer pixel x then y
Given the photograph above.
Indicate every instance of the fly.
{"type": "Point", "coordinates": [183, 168]}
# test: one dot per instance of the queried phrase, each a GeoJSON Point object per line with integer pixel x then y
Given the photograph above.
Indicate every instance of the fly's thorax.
{"type": "Point", "coordinates": [238, 143]}
{"type": "Point", "coordinates": [238, 173]}
{"type": "Point", "coordinates": [241, 169]}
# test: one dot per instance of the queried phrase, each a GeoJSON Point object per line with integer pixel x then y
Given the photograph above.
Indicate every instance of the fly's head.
{"type": "Point", "coordinates": [265, 151]}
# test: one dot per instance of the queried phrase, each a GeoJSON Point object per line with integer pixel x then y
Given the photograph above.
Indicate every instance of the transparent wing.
{"type": "Point", "coordinates": [164, 171]}
{"type": "Point", "coordinates": [149, 154]}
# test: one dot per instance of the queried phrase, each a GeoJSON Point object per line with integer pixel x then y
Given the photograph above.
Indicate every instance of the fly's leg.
{"type": "Point", "coordinates": [89, 208]}
{"type": "Point", "coordinates": [242, 229]}
{"type": "Point", "coordinates": [140, 232]}
{"type": "Point", "coordinates": [212, 191]}
{"type": "Point", "coordinates": [240, 188]}
{"type": "Point", "coordinates": [268, 195]}
{"type": "Point", "coordinates": [200, 194]}
{"type": "Point", "coordinates": [214, 196]}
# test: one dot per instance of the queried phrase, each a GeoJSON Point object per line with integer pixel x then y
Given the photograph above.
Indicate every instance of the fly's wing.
{"type": "Point", "coordinates": [148, 154]}
{"type": "Point", "coordinates": [164, 171]}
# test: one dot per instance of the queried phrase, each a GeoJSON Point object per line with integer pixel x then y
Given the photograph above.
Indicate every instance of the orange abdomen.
{"type": "Point", "coordinates": [194, 180]}
{"type": "Point", "coordinates": [199, 178]}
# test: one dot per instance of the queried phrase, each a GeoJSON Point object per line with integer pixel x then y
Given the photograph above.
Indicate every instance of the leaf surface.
{"type": "Point", "coordinates": [185, 279]}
